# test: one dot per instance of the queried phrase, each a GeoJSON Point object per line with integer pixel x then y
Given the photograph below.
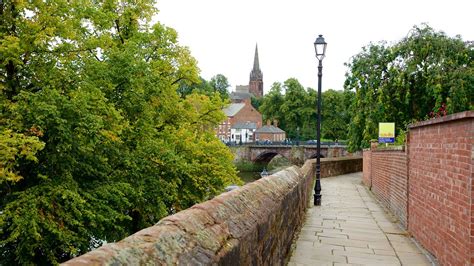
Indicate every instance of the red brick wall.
{"type": "Point", "coordinates": [389, 180]}
{"type": "Point", "coordinates": [271, 136]}
{"type": "Point", "coordinates": [248, 113]}
{"type": "Point", "coordinates": [440, 198]}
{"type": "Point", "coordinates": [366, 168]}
{"type": "Point", "coordinates": [441, 204]}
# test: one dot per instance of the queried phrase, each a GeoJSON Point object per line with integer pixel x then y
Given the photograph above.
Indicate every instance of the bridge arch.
{"type": "Point", "coordinates": [313, 156]}
{"type": "Point", "coordinates": [265, 157]}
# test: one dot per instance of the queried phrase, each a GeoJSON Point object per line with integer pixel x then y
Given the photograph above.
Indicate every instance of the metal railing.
{"type": "Point", "coordinates": [286, 143]}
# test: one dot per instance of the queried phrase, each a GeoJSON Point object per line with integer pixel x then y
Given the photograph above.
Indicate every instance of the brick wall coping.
{"type": "Point", "coordinates": [444, 119]}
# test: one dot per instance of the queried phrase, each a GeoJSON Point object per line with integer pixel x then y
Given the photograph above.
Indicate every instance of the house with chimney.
{"type": "Point", "coordinates": [270, 133]}
{"type": "Point", "coordinates": [241, 123]}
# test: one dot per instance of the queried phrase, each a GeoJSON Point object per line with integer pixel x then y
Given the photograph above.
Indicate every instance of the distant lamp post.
{"type": "Point", "coordinates": [320, 48]}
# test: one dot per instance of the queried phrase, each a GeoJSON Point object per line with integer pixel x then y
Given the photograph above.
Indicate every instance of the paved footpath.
{"type": "Point", "coordinates": [351, 228]}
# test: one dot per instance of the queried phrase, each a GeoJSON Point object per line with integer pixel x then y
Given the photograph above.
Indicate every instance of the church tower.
{"type": "Point", "coordinates": [256, 77]}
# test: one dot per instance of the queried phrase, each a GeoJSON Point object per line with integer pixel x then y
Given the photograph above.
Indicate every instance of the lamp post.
{"type": "Point", "coordinates": [320, 48]}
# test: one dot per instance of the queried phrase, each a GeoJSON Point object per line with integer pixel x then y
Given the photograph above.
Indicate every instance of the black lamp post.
{"type": "Point", "coordinates": [320, 48]}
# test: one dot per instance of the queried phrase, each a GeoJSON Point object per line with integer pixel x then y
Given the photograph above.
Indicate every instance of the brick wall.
{"type": "Point", "coordinates": [252, 225]}
{"type": "Point", "coordinates": [441, 204]}
{"type": "Point", "coordinates": [247, 113]}
{"type": "Point", "coordinates": [366, 169]}
{"type": "Point", "coordinates": [389, 180]}
{"type": "Point", "coordinates": [439, 195]}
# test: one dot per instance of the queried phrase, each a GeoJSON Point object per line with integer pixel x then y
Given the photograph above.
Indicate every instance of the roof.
{"type": "Point", "coordinates": [269, 129]}
{"type": "Point", "coordinates": [242, 88]}
{"type": "Point", "coordinates": [245, 125]}
{"type": "Point", "coordinates": [240, 95]}
{"type": "Point", "coordinates": [233, 109]}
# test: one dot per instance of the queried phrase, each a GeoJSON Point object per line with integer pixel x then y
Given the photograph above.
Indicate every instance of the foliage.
{"type": "Point", "coordinates": [336, 116]}
{"type": "Point", "coordinates": [218, 83]}
{"type": "Point", "coordinates": [95, 141]}
{"type": "Point", "coordinates": [256, 102]}
{"type": "Point", "coordinates": [295, 110]}
{"type": "Point", "coordinates": [408, 81]}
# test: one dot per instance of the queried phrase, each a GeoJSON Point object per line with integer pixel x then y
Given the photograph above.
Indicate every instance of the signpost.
{"type": "Point", "coordinates": [386, 132]}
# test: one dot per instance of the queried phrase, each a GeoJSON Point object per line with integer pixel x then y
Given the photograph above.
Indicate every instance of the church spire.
{"type": "Point", "coordinates": [256, 65]}
{"type": "Point", "coordinates": [256, 73]}
{"type": "Point", "coordinates": [256, 77]}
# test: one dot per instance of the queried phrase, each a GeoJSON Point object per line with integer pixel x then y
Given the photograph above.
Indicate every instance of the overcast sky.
{"type": "Point", "coordinates": [222, 34]}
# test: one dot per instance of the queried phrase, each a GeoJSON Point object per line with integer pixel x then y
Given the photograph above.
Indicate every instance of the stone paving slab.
{"type": "Point", "coordinates": [351, 228]}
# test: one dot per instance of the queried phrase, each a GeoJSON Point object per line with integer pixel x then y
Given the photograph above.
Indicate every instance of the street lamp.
{"type": "Point", "coordinates": [320, 48]}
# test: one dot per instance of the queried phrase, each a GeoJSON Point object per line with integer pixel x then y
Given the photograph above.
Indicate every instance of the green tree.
{"type": "Point", "coordinates": [335, 117]}
{"type": "Point", "coordinates": [408, 81]}
{"type": "Point", "coordinates": [218, 83]}
{"type": "Point", "coordinates": [96, 143]}
{"type": "Point", "coordinates": [296, 110]}
{"type": "Point", "coordinates": [271, 103]}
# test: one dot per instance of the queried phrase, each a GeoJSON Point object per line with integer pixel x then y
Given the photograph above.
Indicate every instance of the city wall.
{"type": "Point", "coordinates": [252, 225]}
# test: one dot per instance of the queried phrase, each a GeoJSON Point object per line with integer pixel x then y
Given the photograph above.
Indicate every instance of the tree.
{"type": "Point", "coordinates": [217, 84]}
{"type": "Point", "coordinates": [296, 110]}
{"type": "Point", "coordinates": [407, 81]}
{"type": "Point", "coordinates": [220, 84]}
{"type": "Point", "coordinates": [335, 117]}
{"type": "Point", "coordinates": [271, 103]}
{"type": "Point", "coordinates": [96, 142]}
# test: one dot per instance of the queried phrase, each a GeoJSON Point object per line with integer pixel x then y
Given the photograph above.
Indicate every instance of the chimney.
{"type": "Point", "coordinates": [269, 122]}
{"type": "Point", "coordinates": [275, 123]}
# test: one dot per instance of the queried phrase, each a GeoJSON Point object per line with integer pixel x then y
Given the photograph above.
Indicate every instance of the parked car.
{"type": "Point", "coordinates": [312, 142]}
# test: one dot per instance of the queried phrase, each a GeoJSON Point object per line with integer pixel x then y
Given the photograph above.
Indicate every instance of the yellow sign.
{"type": "Point", "coordinates": [386, 132]}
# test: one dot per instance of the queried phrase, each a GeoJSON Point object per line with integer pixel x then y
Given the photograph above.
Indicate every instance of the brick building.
{"type": "Point", "coordinates": [270, 133]}
{"type": "Point", "coordinates": [241, 118]}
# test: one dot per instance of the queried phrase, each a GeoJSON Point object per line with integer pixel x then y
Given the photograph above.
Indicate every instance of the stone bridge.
{"type": "Point", "coordinates": [263, 154]}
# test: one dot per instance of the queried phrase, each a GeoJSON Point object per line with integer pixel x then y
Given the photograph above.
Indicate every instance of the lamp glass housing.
{"type": "Point", "coordinates": [320, 47]}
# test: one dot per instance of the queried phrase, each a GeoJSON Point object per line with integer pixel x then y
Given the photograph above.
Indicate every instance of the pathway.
{"type": "Point", "coordinates": [351, 228]}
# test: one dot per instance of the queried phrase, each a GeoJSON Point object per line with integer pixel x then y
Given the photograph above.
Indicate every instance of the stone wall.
{"type": "Point", "coordinates": [339, 166]}
{"type": "Point", "coordinates": [252, 225]}
{"type": "Point", "coordinates": [439, 193]}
